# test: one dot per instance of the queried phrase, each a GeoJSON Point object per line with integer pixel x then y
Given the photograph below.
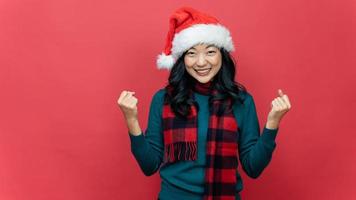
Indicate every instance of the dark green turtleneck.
{"type": "Point", "coordinates": [185, 180]}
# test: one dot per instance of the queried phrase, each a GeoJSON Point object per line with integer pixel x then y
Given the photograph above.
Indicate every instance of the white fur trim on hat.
{"type": "Point", "coordinates": [215, 34]}
{"type": "Point", "coordinates": [165, 61]}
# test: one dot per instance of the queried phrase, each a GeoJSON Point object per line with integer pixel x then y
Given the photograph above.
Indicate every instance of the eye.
{"type": "Point", "coordinates": [190, 53]}
{"type": "Point", "coordinates": [211, 52]}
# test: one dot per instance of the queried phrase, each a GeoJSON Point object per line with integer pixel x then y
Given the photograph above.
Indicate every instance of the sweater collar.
{"type": "Point", "coordinates": [202, 88]}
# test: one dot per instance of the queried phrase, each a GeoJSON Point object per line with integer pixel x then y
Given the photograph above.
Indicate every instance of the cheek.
{"type": "Point", "coordinates": [216, 70]}
{"type": "Point", "coordinates": [190, 70]}
{"type": "Point", "coordinates": [188, 62]}
{"type": "Point", "coordinates": [216, 61]}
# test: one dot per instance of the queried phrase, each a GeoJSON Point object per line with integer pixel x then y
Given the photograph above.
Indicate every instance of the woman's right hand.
{"type": "Point", "coordinates": [128, 105]}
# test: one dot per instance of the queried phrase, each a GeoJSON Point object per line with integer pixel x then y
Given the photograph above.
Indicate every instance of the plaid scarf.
{"type": "Point", "coordinates": [180, 140]}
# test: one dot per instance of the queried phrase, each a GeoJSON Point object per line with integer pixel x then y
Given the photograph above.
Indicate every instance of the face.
{"type": "Point", "coordinates": [203, 62]}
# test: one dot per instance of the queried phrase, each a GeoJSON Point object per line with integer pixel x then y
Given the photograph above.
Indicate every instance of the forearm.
{"type": "Point", "coordinates": [256, 149]}
{"type": "Point", "coordinates": [257, 156]}
{"type": "Point", "coordinates": [272, 124]}
{"type": "Point", "coordinates": [147, 157]}
{"type": "Point", "coordinates": [133, 126]}
{"type": "Point", "coordinates": [147, 147]}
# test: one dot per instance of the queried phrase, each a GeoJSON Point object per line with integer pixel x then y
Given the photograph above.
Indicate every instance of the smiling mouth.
{"type": "Point", "coordinates": [203, 72]}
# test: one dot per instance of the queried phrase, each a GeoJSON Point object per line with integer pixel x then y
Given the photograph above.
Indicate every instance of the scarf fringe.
{"type": "Point", "coordinates": [180, 151]}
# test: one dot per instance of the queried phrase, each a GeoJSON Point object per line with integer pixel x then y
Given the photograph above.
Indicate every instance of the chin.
{"type": "Point", "coordinates": [203, 80]}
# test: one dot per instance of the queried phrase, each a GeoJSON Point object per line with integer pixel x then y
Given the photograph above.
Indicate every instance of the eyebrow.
{"type": "Point", "coordinates": [210, 45]}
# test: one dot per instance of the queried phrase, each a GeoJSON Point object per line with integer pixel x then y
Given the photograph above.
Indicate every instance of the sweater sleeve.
{"type": "Point", "coordinates": [255, 150]}
{"type": "Point", "coordinates": [148, 148]}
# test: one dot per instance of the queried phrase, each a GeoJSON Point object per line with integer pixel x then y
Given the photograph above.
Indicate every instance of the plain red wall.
{"type": "Point", "coordinates": [63, 64]}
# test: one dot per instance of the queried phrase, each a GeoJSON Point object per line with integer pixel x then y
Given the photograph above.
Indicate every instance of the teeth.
{"type": "Point", "coordinates": [203, 72]}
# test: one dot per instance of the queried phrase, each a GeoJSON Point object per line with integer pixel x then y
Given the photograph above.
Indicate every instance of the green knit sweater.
{"type": "Point", "coordinates": [185, 180]}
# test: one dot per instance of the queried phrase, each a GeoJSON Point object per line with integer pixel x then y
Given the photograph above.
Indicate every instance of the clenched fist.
{"type": "Point", "coordinates": [128, 104]}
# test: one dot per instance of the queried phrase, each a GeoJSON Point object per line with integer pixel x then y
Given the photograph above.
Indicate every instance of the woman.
{"type": "Point", "coordinates": [202, 121]}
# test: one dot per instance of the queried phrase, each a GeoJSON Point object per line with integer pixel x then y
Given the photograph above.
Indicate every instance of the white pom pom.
{"type": "Point", "coordinates": [164, 61]}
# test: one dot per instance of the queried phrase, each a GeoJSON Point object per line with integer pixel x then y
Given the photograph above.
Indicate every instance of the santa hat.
{"type": "Point", "coordinates": [189, 27]}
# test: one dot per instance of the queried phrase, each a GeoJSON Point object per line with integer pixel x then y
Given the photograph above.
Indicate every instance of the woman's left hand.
{"type": "Point", "coordinates": [280, 106]}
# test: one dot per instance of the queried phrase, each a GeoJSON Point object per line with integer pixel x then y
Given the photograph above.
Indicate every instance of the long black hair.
{"type": "Point", "coordinates": [180, 82]}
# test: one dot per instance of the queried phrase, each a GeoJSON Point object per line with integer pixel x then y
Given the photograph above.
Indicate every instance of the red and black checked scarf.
{"type": "Point", "coordinates": [180, 140]}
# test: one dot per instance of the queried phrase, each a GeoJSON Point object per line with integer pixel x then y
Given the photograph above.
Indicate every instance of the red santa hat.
{"type": "Point", "coordinates": [189, 27]}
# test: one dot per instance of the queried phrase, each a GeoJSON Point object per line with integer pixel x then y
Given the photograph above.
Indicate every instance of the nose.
{"type": "Point", "coordinates": [201, 60]}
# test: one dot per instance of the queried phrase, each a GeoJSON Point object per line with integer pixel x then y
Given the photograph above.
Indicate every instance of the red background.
{"type": "Point", "coordinates": [63, 64]}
